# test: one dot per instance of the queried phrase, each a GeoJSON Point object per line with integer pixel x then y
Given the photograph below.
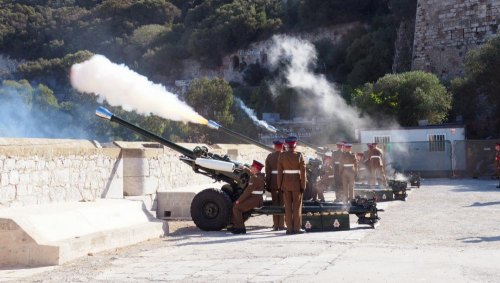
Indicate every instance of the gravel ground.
{"type": "Point", "coordinates": [447, 231]}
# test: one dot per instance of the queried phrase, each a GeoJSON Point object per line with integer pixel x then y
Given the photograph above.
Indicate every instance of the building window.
{"type": "Point", "coordinates": [437, 142]}
{"type": "Point", "coordinates": [382, 139]}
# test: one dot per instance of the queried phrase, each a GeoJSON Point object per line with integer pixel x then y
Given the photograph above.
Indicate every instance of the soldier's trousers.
{"type": "Point", "coordinates": [293, 210]}
{"type": "Point", "coordinates": [337, 181]}
{"type": "Point", "coordinates": [244, 206]}
{"type": "Point", "coordinates": [277, 200]}
{"type": "Point", "coordinates": [377, 170]}
{"type": "Point", "coordinates": [348, 183]}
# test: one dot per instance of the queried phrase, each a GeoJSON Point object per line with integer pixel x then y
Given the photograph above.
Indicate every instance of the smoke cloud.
{"type": "Point", "coordinates": [120, 86]}
{"type": "Point", "coordinates": [300, 59]}
{"type": "Point", "coordinates": [253, 116]}
{"type": "Point", "coordinates": [19, 119]}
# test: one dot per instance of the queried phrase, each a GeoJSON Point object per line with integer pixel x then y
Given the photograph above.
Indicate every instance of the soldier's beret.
{"type": "Point", "coordinates": [278, 141]}
{"type": "Point", "coordinates": [291, 140]}
{"type": "Point", "coordinates": [257, 165]}
{"type": "Point", "coordinates": [348, 145]}
{"type": "Point", "coordinates": [340, 143]}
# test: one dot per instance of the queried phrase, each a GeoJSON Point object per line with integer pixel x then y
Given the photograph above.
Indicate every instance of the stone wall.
{"type": "Point", "coordinates": [446, 29]}
{"type": "Point", "coordinates": [41, 171]}
{"type": "Point", "coordinates": [36, 171]}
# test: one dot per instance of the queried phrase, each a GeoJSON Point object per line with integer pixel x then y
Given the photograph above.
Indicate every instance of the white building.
{"type": "Point", "coordinates": [435, 150]}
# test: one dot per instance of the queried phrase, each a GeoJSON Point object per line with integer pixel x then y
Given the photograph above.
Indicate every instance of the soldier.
{"type": "Point", "coordinates": [348, 167]}
{"type": "Point", "coordinates": [250, 198]}
{"type": "Point", "coordinates": [376, 164]}
{"type": "Point", "coordinates": [326, 177]}
{"type": "Point", "coordinates": [363, 174]}
{"type": "Point", "coordinates": [292, 181]}
{"type": "Point", "coordinates": [272, 183]}
{"type": "Point", "coordinates": [497, 161]}
{"type": "Point", "coordinates": [336, 155]}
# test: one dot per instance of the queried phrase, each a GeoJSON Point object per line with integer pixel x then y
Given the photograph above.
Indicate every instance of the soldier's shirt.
{"type": "Point", "coordinates": [375, 157]}
{"type": "Point", "coordinates": [497, 159]}
{"type": "Point", "coordinates": [336, 156]}
{"type": "Point", "coordinates": [328, 172]}
{"type": "Point", "coordinates": [291, 171]}
{"type": "Point", "coordinates": [271, 167]}
{"type": "Point", "coordinates": [255, 184]}
{"type": "Point", "coordinates": [348, 158]}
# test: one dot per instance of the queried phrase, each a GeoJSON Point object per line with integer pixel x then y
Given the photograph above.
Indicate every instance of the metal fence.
{"type": "Point", "coordinates": [470, 158]}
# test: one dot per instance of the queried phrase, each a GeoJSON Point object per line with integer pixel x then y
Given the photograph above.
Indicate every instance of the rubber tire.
{"type": "Point", "coordinates": [211, 210]}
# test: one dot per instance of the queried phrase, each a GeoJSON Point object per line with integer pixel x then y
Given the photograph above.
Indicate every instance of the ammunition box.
{"type": "Point", "coordinates": [379, 194]}
{"type": "Point", "coordinates": [322, 222]}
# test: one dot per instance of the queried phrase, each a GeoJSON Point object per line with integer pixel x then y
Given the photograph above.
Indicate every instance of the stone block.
{"type": "Point", "coordinates": [41, 235]}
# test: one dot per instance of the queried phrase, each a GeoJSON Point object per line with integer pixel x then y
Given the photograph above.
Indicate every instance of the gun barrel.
{"type": "Point", "coordinates": [239, 136]}
{"type": "Point", "coordinates": [106, 114]}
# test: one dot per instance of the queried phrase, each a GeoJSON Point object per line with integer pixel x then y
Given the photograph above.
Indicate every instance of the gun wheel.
{"type": "Point", "coordinates": [211, 210]}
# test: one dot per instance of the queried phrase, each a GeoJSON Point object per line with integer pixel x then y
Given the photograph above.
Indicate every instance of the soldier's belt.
{"type": "Point", "coordinates": [274, 172]}
{"type": "Point", "coordinates": [259, 193]}
{"type": "Point", "coordinates": [348, 165]}
{"type": "Point", "coordinates": [331, 176]}
{"type": "Point", "coordinates": [291, 171]}
{"type": "Point", "coordinates": [375, 157]}
{"type": "Point", "coordinates": [337, 162]}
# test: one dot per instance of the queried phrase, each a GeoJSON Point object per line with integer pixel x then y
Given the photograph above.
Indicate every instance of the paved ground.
{"type": "Point", "coordinates": [447, 231]}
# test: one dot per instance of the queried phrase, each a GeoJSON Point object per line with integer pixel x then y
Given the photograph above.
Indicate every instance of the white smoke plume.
{"type": "Point", "coordinates": [253, 116]}
{"type": "Point", "coordinates": [120, 86]}
{"type": "Point", "coordinates": [300, 57]}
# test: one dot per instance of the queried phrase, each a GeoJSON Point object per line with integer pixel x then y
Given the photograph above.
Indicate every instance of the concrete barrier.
{"type": "Point", "coordinates": [176, 204]}
{"type": "Point", "coordinates": [56, 233]}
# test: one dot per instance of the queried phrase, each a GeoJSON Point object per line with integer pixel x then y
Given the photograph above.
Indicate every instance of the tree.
{"type": "Point", "coordinates": [410, 97]}
{"type": "Point", "coordinates": [212, 98]}
{"type": "Point", "coordinates": [476, 94]}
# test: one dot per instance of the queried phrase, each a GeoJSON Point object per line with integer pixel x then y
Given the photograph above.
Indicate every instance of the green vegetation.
{"type": "Point", "coordinates": [155, 37]}
{"type": "Point", "coordinates": [476, 94]}
{"type": "Point", "coordinates": [410, 97]}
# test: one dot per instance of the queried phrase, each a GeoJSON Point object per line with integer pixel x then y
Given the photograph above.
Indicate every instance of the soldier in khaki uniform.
{"type": "Point", "coordinates": [326, 177]}
{"type": "Point", "coordinates": [292, 181]}
{"type": "Point", "coordinates": [375, 159]}
{"type": "Point", "coordinates": [250, 198]}
{"type": "Point", "coordinates": [348, 167]}
{"type": "Point", "coordinates": [336, 155]}
{"type": "Point", "coordinates": [497, 161]}
{"type": "Point", "coordinates": [272, 183]}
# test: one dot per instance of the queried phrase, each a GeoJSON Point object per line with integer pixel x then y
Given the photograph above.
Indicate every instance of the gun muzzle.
{"type": "Point", "coordinates": [271, 129]}
{"type": "Point", "coordinates": [214, 125]}
{"type": "Point", "coordinates": [103, 113]}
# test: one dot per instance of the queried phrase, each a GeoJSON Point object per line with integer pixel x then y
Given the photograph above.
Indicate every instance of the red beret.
{"type": "Point", "coordinates": [257, 165]}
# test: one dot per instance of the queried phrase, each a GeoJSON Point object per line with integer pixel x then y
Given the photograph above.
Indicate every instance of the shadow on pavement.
{"type": "Point", "coordinates": [487, 187]}
{"type": "Point", "coordinates": [474, 240]}
{"type": "Point", "coordinates": [222, 236]}
{"type": "Point", "coordinates": [483, 204]}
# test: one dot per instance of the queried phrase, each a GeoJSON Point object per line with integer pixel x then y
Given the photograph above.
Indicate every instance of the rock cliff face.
{"type": "Point", "coordinates": [446, 29]}
{"type": "Point", "coordinates": [403, 47]}
{"type": "Point", "coordinates": [234, 64]}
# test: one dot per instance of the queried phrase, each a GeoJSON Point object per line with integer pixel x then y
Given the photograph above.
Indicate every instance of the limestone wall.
{"type": "Point", "coordinates": [35, 171]}
{"type": "Point", "coordinates": [446, 29]}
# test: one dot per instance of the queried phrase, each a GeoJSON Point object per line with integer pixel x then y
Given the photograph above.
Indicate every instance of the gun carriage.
{"type": "Point", "coordinates": [211, 208]}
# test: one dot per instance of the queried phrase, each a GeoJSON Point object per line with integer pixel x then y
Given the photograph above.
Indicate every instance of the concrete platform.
{"type": "Point", "coordinates": [52, 234]}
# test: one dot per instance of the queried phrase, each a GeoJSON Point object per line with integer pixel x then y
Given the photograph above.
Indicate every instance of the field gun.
{"type": "Point", "coordinates": [211, 208]}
